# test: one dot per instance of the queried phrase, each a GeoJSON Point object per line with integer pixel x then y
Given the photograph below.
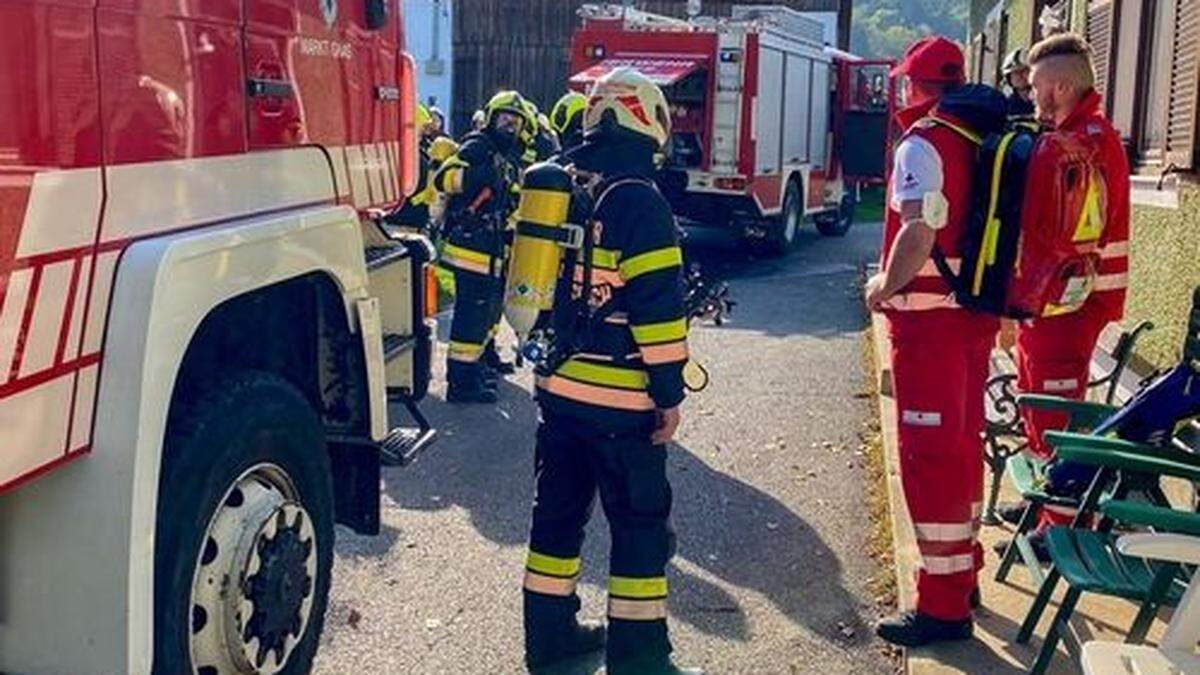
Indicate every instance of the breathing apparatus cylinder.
{"type": "Point", "coordinates": [542, 232]}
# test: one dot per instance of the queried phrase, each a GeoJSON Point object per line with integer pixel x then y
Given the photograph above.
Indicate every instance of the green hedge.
{"type": "Point", "coordinates": [1165, 268]}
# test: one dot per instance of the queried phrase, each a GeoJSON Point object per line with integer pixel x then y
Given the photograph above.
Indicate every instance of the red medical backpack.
{"type": "Point", "coordinates": [1031, 245]}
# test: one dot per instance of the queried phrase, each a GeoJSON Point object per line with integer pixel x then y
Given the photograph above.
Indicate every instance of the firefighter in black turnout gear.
{"type": "Point", "coordinates": [478, 180]}
{"type": "Point", "coordinates": [610, 400]}
{"type": "Point", "coordinates": [567, 119]}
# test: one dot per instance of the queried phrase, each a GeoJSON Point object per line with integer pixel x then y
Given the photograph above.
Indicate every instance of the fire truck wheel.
{"type": "Point", "coordinates": [837, 223]}
{"type": "Point", "coordinates": [244, 540]}
{"type": "Point", "coordinates": [782, 231]}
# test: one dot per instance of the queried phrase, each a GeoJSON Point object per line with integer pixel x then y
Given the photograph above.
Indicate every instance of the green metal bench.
{"type": "Point", "coordinates": [1004, 432]}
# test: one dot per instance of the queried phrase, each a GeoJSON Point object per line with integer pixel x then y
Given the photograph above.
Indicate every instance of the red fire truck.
{"type": "Point", "coordinates": [201, 323]}
{"type": "Point", "coordinates": [758, 101]}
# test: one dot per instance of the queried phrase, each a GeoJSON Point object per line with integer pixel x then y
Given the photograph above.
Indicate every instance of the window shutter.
{"type": "Point", "coordinates": [1099, 36]}
{"type": "Point", "coordinates": [1182, 117]}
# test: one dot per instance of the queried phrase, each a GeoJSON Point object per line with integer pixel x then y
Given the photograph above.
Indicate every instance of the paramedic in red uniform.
{"type": "Point", "coordinates": [1053, 353]}
{"type": "Point", "coordinates": [939, 350]}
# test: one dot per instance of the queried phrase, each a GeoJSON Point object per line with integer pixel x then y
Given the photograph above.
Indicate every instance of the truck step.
{"type": "Point", "coordinates": [395, 346]}
{"type": "Point", "coordinates": [404, 444]}
{"type": "Point", "coordinates": [382, 256]}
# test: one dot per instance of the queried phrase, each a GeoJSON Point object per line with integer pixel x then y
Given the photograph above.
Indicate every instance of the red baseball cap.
{"type": "Point", "coordinates": [933, 59]}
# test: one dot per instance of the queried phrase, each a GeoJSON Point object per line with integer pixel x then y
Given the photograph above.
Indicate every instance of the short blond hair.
{"type": "Point", "coordinates": [1070, 56]}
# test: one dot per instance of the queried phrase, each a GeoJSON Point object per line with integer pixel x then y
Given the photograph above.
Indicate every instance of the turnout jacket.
{"type": "Point", "coordinates": [478, 180]}
{"type": "Point", "coordinates": [632, 352]}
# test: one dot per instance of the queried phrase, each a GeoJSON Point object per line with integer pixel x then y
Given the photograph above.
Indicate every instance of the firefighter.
{"type": "Point", "coordinates": [1016, 81]}
{"type": "Point", "coordinates": [478, 180]}
{"type": "Point", "coordinates": [541, 142]}
{"type": "Point", "coordinates": [414, 213]}
{"type": "Point", "coordinates": [611, 402]}
{"type": "Point", "coordinates": [939, 350]}
{"type": "Point", "coordinates": [567, 119]}
{"type": "Point", "coordinates": [1053, 353]}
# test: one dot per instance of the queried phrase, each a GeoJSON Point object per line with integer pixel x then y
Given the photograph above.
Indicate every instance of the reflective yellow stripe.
{"type": "Point", "coordinates": [606, 257]}
{"type": "Point", "coordinates": [962, 131]}
{"type": "Point", "coordinates": [610, 376]}
{"type": "Point", "coordinates": [667, 331]}
{"type": "Point", "coordinates": [632, 588]}
{"type": "Point", "coordinates": [991, 232]}
{"type": "Point", "coordinates": [452, 251]}
{"type": "Point", "coordinates": [637, 610]}
{"type": "Point", "coordinates": [465, 351]}
{"type": "Point", "coordinates": [1091, 220]}
{"type": "Point", "coordinates": [555, 567]}
{"type": "Point", "coordinates": [653, 261]}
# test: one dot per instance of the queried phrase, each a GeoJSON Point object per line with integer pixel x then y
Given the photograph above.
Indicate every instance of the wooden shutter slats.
{"type": "Point", "coordinates": [1185, 82]}
{"type": "Point", "coordinates": [1099, 36]}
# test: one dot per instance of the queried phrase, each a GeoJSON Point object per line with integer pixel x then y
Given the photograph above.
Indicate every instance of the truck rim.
{"type": "Point", "coordinates": [252, 590]}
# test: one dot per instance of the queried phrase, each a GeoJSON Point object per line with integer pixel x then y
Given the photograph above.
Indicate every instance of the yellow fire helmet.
{"type": "Point", "coordinates": [568, 109]}
{"type": "Point", "coordinates": [627, 100]}
{"type": "Point", "coordinates": [531, 122]}
{"type": "Point", "coordinates": [442, 148]}
{"type": "Point", "coordinates": [505, 101]}
{"type": "Point", "coordinates": [423, 117]}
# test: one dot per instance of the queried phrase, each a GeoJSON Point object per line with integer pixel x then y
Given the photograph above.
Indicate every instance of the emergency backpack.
{"type": "Point", "coordinates": [1032, 238]}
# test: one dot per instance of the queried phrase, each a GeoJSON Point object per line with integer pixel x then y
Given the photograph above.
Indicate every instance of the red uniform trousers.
{"type": "Point", "coordinates": [940, 362]}
{"type": "Point", "coordinates": [1053, 357]}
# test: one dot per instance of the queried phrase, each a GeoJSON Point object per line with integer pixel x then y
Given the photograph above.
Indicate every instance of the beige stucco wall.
{"type": "Point", "coordinates": [1165, 268]}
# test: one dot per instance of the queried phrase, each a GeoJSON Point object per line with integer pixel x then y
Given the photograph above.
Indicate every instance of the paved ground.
{"type": "Point", "coordinates": [770, 575]}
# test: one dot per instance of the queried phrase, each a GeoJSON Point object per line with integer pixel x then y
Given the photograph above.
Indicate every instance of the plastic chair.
{"type": "Point", "coordinates": [1177, 651]}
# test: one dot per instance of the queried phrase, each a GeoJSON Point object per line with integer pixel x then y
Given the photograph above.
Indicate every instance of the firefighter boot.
{"type": "Point", "coordinates": [553, 634]}
{"type": "Point", "coordinates": [493, 362]}
{"type": "Point", "coordinates": [467, 385]}
{"type": "Point", "coordinates": [661, 665]}
{"type": "Point", "coordinates": [913, 629]}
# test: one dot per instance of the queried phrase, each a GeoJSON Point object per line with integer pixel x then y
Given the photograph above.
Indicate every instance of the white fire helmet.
{"type": "Point", "coordinates": [632, 102]}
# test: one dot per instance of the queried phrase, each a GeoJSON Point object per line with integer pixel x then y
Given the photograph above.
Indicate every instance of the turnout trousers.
{"type": "Point", "coordinates": [940, 361]}
{"type": "Point", "coordinates": [475, 299]}
{"type": "Point", "coordinates": [1053, 357]}
{"type": "Point", "coordinates": [575, 461]}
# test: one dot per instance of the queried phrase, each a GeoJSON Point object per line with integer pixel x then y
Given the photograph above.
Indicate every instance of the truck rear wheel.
{"type": "Point", "coordinates": [782, 231]}
{"type": "Point", "coordinates": [244, 541]}
{"type": "Point", "coordinates": [837, 223]}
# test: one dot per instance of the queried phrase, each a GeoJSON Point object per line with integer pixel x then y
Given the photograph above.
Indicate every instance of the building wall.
{"type": "Point", "coordinates": [427, 31]}
{"type": "Point", "coordinates": [523, 44]}
{"type": "Point", "coordinates": [1165, 268]}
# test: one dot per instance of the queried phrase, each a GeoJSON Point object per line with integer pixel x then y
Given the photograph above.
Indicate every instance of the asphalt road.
{"type": "Point", "coordinates": [771, 574]}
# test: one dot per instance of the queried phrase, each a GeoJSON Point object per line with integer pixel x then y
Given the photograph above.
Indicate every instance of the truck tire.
{"type": "Point", "coordinates": [837, 223]}
{"type": "Point", "coordinates": [244, 540]}
{"type": "Point", "coordinates": [782, 231]}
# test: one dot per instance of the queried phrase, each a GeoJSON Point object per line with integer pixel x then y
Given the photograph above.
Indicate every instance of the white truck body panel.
{"type": "Point", "coordinates": [102, 508]}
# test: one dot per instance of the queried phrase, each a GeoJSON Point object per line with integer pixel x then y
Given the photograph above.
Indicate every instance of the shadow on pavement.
{"type": "Point", "coordinates": [728, 530]}
{"type": "Point", "coordinates": [746, 538]}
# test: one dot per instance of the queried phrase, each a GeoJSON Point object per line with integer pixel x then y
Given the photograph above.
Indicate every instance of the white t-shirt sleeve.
{"type": "Point", "coordinates": [918, 175]}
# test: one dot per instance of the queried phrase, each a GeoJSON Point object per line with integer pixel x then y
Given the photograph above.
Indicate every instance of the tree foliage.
{"type": "Point", "coordinates": [885, 28]}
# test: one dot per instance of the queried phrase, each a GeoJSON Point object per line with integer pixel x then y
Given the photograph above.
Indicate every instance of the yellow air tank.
{"type": "Point", "coordinates": [542, 233]}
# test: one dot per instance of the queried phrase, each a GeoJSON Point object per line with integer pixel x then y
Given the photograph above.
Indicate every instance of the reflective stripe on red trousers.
{"type": "Point", "coordinates": [1053, 357]}
{"type": "Point", "coordinates": [940, 367]}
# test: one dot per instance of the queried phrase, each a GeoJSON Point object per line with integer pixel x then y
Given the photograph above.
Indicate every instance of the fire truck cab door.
{"type": "Point", "coordinates": [325, 72]}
